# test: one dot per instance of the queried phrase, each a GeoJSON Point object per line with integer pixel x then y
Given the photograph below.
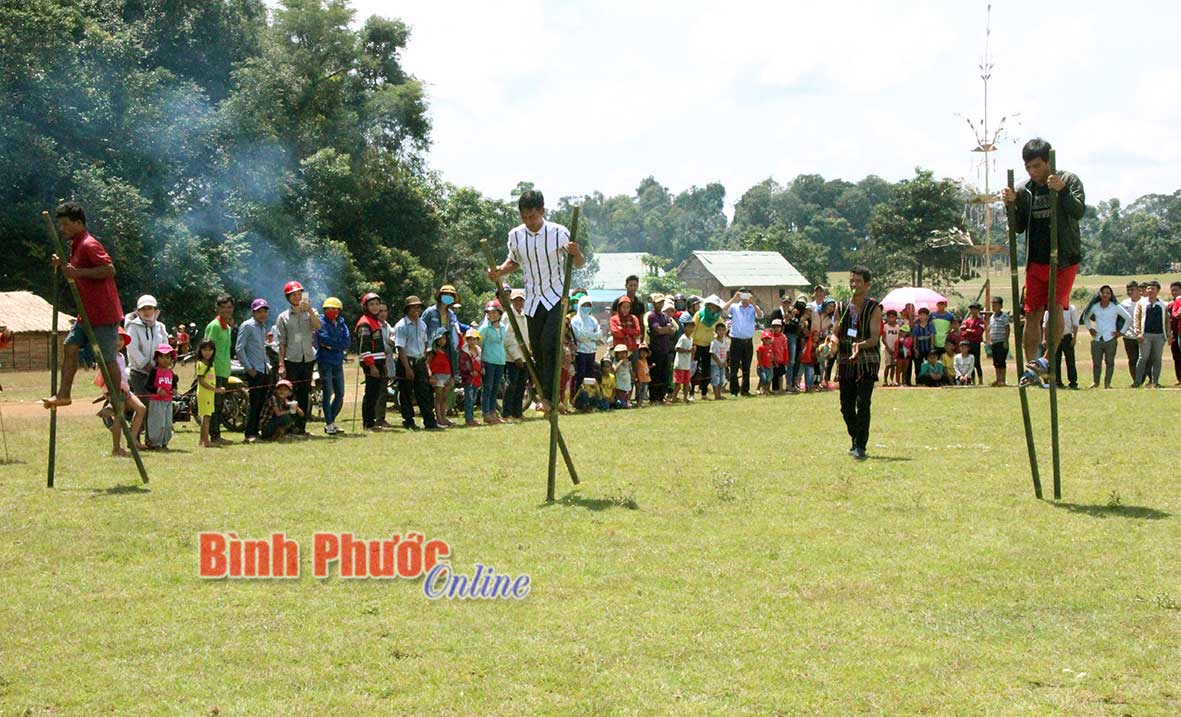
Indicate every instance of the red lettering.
{"type": "Point", "coordinates": [258, 559]}
{"type": "Point", "coordinates": [325, 549]}
{"type": "Point", "coordinates": [285, 556]}
{"type": "Point", "coordinates": [211, 558]}
{"type": "Point", "coordinates": [352, 562]}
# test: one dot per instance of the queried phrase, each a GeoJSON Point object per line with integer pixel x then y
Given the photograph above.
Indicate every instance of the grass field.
{"type": "Point", "coordinates": [718, 559]}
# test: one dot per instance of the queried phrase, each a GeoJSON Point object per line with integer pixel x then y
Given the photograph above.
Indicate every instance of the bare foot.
{"type": "Point", "coordinates": [142, 447]}
{"type": "Point", "coordinates": [120, 453]}
{"type": "Point", "coordinates": [55, 402]}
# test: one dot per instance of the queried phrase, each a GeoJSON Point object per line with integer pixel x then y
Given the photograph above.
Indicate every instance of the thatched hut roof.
{"type": "Point", "coordinates": [24, 312]}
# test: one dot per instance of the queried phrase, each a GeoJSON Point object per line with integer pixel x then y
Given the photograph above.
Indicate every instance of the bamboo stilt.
{"type": "Point", "coordinates": [1054, 332]}
{"type": "Point", "coordinates": [1019, 335]}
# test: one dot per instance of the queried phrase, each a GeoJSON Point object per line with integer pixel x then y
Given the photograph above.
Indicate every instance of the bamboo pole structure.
{"type": "Point", "coordinates": [53, 339]}
{"type": "Point", "coordinates": [559, 358]}
{"type": "Point", "coordinates": [1019, 335]}
{"type": "Point", "coordinates": [530, 365]}
{"type": "Point", "coordinates": [1054, 332]}
{"type": "Point", "coordinates": [113, 386]}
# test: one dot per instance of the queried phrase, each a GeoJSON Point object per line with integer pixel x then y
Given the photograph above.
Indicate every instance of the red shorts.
{"type": "Point", "coordinates": [1037, 285]}
{"type": "Point", "coordinates": [682, 376]}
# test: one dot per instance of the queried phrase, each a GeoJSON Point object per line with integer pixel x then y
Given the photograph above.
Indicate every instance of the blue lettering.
{"type": "Point", "coordinates": [521, 583]}
{"type": "Point", "coordinates": [439, 574]}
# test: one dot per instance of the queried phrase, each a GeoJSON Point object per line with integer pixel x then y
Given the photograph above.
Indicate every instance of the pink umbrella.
{"type": "Point", "coordinates": [917, 295]}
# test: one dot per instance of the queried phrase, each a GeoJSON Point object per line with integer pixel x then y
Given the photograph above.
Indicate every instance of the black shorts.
{"type": "Point", "coordinates": [1000, 352]}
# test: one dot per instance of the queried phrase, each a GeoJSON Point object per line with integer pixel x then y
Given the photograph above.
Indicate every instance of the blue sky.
{"type": "Point", "coordinates": [590, 96]}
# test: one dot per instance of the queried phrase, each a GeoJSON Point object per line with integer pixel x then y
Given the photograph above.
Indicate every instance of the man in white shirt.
{"type": "Point", "coordinates": [1102, 321]}
{"type": "Point", "coordinates": [1070, 324]}
{"type": "Point", "coordinates": [540, 249]}
{"type": "Point", "coordinates": [742, 334]}
{"type": "Point", "coordinates": [1131, 345]}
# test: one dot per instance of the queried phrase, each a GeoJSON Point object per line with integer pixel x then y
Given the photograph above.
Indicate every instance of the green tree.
{"type": "Point", "coordinates": [916, 235]}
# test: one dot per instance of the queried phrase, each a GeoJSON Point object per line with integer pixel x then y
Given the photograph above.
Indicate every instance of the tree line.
{"type": "Point", "coordinates": [222, 147]}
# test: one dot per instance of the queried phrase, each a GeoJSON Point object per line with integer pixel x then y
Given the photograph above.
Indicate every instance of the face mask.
{"type": "Point", "coordinates": [447, 299]}
{"type": "Point", "coordinates": [331, 314]}
{"type": "Point", "coordinates": [585, 310]}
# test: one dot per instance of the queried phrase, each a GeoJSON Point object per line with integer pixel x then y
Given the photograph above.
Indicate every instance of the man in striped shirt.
{"type": "Point", "coordinates": [539, 249]}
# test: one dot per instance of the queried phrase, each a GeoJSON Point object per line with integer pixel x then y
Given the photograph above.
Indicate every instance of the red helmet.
{"type": "Point", "coordinates": [291, 287]}
{"type": "Point", "coordinates": [369, 297]}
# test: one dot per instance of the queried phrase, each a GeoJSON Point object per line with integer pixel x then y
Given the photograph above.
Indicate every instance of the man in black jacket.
{"type": "Point", "coordinates": [1032, 210]}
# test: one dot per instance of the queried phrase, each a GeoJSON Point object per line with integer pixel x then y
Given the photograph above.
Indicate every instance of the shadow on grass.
{"type": "Point", "coordinates": [1135, 512]}
{"type": "Point", "coordinates": [889, 459]}
{"type": "Point", "coordinates": [11, 462]}
{"type": "Point", "coordinates": [576, 500]}
{"type": "Point", "coordinates": [137, 489]}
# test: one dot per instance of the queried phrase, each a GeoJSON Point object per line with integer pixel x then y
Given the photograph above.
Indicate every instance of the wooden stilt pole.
{"type": "Point", "coordinates": [113, 383]}
{"type": "Point", "coordinates": [530, 365]}
{"type": "Point", "coordinates": [1054, 332]}
{"type": "Point", "coordinates": [559, 359]}
{"type": "Point", "coordinates": [1019, 335]}
{"type": "Point", "coordinates": [53, 340]}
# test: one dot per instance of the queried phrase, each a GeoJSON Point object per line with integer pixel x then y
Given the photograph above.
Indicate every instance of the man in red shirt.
{"type": "Point", "coordinates": [90, 268]}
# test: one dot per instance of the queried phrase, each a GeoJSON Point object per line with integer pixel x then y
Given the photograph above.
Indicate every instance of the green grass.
{"type": "Point", "coordinates": [758, 570]}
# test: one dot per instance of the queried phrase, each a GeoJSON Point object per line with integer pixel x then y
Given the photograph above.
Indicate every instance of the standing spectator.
{"type": "Point", "coordinates": [414, 381]}
{"type": "Point", "coordinates": [1131, 343]}
{"type": "Point", "coordinates": [625, 325]}
{"type": "Point", "coordinates": [220, 332]}
{"type": "Point", "coordinates": [742, 334]}
{"type": "Point", "coordinates": [471, 376]}
{"type": "Point", "coordinates": [660, 343]}
{"type": "Point", "coordinates": [251, 347]}
{"type": "Point", "coordinates": [1152, 331]}
{"type": "Point", "coordinates": [333, 340]}
{"type": "Point", "coordinates": [493, 357]}
{"type": "Point", "coordinates": [587, 335]}
{"type": "Point", "coordinates": [941, 319]}
{"type": "Point", "coordinates": [93, 273]}
{"type": "Point", "coordinates": [780, 355]}
{"type": "Point", "coordinates": [643, 374]}
{"type": "Point", "coordinates": [905, 355]}
{"type": "Point", "coordinates": [923, 333]}
{"type": "Point", "coordinates": [891, 332]}
{"type": "Point", "coordinates": [631, 285]}
{"type": "Point", "coordinates": [972, 330]}
{"type": "Point", "coordinates": [516, 373]}
{"type": "Point", "coordinates": [387, 344]}
{"type": "Point", "coordinates": [622, 366]}
{"type": "Point", "coordinates": [442, 318]}
{"type": "Point", "coordinates": [793, 331]}
{"type": "Point", "coordinates": [371, 354]}
{"type": "Point", "coordinates": [704, 322]}
{"type": "Point", "coordinates": [683, 364]}
{"type": "Point", "coordinates": [147, 333]}
{"type": "Point", "coordinates": [1175, 323]}
{"type": "Point", "coordinates": [295, 328]}
{"type": "Point", "coordinates": [1070, 324]}
{"type": "Point", "coordinates": [207, 391]}
{"type": "Point", "coordinates": [1103, 323]}
{"type": "Point", "coordinates": [161, 381]}
{"type": "Point", "coordinates": [719, 351]}
{"type": "Point", "coordinates": [181, 340]}
{"type": "Point", "coordinates": [998, 338]}
{"type": "Point", "coordinates": [827, 322]}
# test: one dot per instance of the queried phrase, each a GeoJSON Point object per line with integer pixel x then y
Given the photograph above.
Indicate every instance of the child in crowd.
{"type": "Point", "coordinates": [492, 357]}
{"type": "Point", "coordinates": [643, 375]}
{"type": "Point", "coordinates": [181, 339]}
{"type": "Point", "coordinates": [131, 403]}
{"type": "Point", "coordinates": [206, 389]}
{"type": "Point", "coordinates": [952, 347]}
{"type": "Point", "coordinates": [440, 366]}
{"type": "Point", "coordinates": [683, 363]}
{"type": "Point", "coordinates": [719, 350]}
{"type": "Point", "coordinates": [764, 354]}
{"type": "Point", "coordinates": [607, 382]}
{"type": "Point", "coordinates": [623, 375]}
{"type": "Point", "coordinates": [587, 334]}
{"type": "Point", "coordinates": [588, 397]}
{"type": "Point", "coordinates": [279, 414]}
{"type": "Point", "coordinates": [161, 381]}
{"type": "Point", "coordinates": [779, 352]}
{"type": "Point", "coordinates": [891, 332]}
{"type": "Point", "coordinates": [470, 375]}
{"type": "Point", "coordinates": [904, 356]}
{"type": "Point", "coordinates": [965, 365]}
{"type": "Point", "coordinates": [931, 372]}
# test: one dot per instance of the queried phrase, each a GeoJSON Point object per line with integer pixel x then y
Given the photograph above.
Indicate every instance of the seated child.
{"type": "Point", "coordinates": [277, 415]}
{"type": "Point", "coordinates": [588, 397]}
{"type": "Point", "coordinates": [607, 383]}
{"type": "Point", "coordinates": [965, 365]}
{"type": "Point", "coordinates": [931, 371]}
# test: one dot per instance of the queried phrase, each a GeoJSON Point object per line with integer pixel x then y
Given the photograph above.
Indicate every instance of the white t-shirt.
{"type": "Point", "coordinates": [965, 365]}
{"type": "Point", "coordinates": [684, 359]}
{"type": "Point", "coordinates": [1103, 319]}
{"type": "Point", "coordinates": [890, 336]}
{"type": "Point", "coordinates": [719, 348]}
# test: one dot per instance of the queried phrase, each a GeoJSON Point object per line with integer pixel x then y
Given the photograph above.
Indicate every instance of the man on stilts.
{"type": "Point", "coordinates": [540, 248]}
{"type": "Point", "coordinates": [858, 334]}
{"type": "Point", "coordinates": [1032, 209]}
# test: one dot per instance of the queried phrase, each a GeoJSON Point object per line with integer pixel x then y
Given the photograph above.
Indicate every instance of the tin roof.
{"type": "Point", "coordinates": [750, 268]}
